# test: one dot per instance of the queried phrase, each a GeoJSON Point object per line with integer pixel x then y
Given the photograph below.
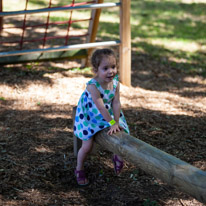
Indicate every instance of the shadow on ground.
{"type": "Point", "coordinates": [37, 162]}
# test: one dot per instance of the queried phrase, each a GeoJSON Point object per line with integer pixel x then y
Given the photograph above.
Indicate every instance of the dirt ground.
{"type": "Point", "coordinates": [165, 107]}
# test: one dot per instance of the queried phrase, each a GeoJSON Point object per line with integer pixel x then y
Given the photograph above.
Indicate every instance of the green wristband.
{"type": "Point", "coordinates": [112, 122]}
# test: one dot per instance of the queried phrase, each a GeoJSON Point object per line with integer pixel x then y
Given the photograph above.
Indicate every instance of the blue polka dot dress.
{"type": "Point", "coordinates": [88, 119]}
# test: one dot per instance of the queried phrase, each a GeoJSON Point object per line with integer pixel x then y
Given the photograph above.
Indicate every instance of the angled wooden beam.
{"type": "Point", "coordinates": [153, 161]}
{"type": "Point", "coordinates": [168, 168]}
{"type": "Point", "coordinates": [92, 30]}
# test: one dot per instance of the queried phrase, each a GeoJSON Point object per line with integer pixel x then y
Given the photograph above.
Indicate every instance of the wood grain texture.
{"type": "Point", "coordinates": [168, 168]}
{"type": "Point", "coordinates": [125, 46]}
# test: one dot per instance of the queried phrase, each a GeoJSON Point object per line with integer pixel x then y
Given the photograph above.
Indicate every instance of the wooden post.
{"type": "Point", "coordinates": [168, 168]}
{"type": "Point", "coordinates": [92, 30]}
{"type": "Point", "coordinates": [125, 46]}
{"type": "Point", "coordinates": [1, 18]}
{"type": "Point", "coordinates": [76, 141]}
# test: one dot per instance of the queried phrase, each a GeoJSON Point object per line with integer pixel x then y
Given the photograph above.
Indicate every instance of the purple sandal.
{"type": "Point", "coordinates": [117, 167]}
{"type": "Point", "coordinates": [81, 177]}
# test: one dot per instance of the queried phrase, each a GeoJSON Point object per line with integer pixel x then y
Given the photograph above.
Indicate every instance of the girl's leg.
{"type": "Point", "coordinates": [83, 152]}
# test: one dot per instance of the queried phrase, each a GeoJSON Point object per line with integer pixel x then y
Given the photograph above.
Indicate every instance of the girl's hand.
{"type": "Point", "coordinates": [114, 128]}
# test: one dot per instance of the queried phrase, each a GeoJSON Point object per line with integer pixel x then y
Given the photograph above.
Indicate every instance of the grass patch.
{"type": "Point", "coordinates": [2, 99]}
{"type": "Point", "coordinates": [170, 30]}
{"type": "Point", "coordinates": [86, 70]}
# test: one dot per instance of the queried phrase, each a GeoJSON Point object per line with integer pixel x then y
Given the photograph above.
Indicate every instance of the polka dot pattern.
{"type": "Point", "coordinates": [88, 119]}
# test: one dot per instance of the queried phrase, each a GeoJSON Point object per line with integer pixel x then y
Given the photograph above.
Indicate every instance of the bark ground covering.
{"type": "Point", "coordinates": [165, 107]}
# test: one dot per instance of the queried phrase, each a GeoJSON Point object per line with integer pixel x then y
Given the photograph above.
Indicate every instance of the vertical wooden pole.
{"type": "Point", "coordinates": [76, 141]}
{"type": "Point", "coordinates": [1, 18]}
{"type": "Point", "coordinates": [93, 27]}
{"type": "Point", "coordinates": [125, 46]}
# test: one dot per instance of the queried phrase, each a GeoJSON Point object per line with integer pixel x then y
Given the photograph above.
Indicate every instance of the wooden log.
{"type": "Point", "coordinates": [168, 168]}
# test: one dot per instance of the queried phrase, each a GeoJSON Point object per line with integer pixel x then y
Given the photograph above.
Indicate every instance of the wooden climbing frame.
{"type": "Point", "coordinates": [82, 50]}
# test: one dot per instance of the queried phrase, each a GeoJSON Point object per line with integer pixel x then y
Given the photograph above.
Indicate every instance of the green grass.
{"type": "Point", "coordinates": [2, 99]}
{"type": "Point", "coordinates": [86, 70]}
{"type": "Point", "coordinates": [169, 31]}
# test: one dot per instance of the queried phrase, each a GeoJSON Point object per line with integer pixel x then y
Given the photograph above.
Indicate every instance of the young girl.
{"type": "Point", "coordinates": [98, 108]}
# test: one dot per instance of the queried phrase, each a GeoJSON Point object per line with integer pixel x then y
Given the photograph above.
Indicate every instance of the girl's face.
{"type": "Point", "coordinates": [107, 69]}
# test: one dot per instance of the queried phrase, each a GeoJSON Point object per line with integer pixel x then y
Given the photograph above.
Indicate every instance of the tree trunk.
{"type": "Point", "coordinates": [168, 168]}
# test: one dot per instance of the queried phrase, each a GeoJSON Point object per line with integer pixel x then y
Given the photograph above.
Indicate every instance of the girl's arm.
{"type": "Point", "coordinates": [95, 94]}
{"type": "Point", "coordinates": [116, 106]}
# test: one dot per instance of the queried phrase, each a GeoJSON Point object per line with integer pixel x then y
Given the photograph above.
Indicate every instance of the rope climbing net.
{"type": "Point", "coordinates": [17, 33]}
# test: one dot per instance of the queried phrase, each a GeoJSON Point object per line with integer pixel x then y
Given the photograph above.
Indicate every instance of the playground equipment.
{"type": "Point", "coordinates": [168, 168]}
{"type": "Point", "coordinates": [72, 51]}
